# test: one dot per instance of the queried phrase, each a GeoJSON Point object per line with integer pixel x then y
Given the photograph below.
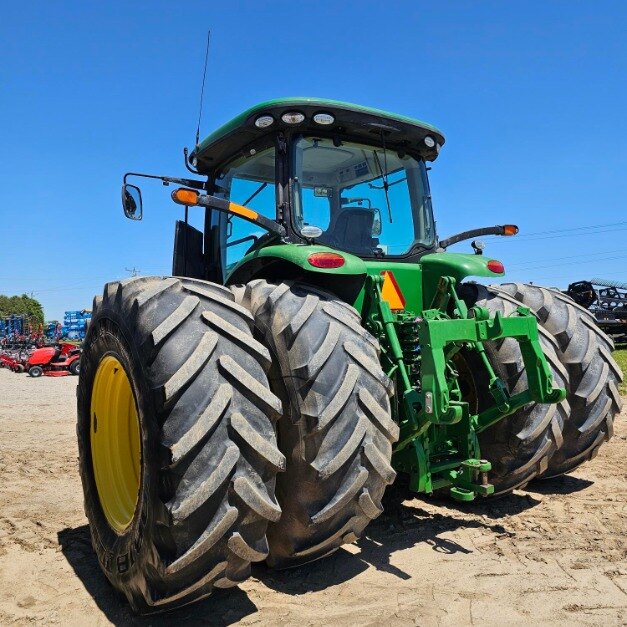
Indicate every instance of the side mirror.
{"type": "Point", "coordinates": [376, 224]}
{"type": "Point", "coordinates": [132, 202]}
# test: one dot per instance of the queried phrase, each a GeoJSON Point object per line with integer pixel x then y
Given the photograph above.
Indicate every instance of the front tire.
{"type": "Point", "coordinates": [75, 367]}
{"type": "Point", "coordinates": [337, 430]}
{"type": "Point", "coordinates": [178, 463]}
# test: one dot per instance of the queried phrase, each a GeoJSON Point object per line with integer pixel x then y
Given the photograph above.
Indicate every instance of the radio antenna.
{"type": "Point", "coordinates": [202, 89]}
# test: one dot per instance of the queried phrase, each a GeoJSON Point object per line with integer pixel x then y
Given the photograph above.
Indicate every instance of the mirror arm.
{"type": "Point", "coordinates": [166, 180]}
{"type": "Point", "coordinates": [189, 198]}
{"type": "Point", "coordinates": [486, 230]}
{"type": "Point", "coordinates": [187, 162]}
{"type": "Point", "coordinates": [221, 204]}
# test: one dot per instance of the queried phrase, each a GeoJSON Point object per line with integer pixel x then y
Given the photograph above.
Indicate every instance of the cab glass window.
{"type": "Point", "coordinates": [247, 181]}
{"type": "Point", "coordinates": [365, 199]}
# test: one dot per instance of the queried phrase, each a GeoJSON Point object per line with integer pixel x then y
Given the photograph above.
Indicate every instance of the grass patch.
{"type": "Point", "coordinates": [620, 355]}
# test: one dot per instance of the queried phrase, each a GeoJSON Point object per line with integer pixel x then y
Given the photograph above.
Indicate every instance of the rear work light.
{"type": "Point", "coordinates": [263, 121]}
{"type": "Point", "coordinates": [323, 118]}
{"type": "Point", "coordinates": [326, 260]}
{"type": "Point", "coordinates": [293, 117]}
{"type": "Point", "coordinates": [496, 266]}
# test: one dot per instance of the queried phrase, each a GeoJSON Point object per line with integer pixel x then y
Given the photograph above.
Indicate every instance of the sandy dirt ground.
{"type": "Point", "coordinates": [554, 553]}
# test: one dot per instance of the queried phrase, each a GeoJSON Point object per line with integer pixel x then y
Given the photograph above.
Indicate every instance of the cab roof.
{"type": "Point", "coordinates": [352, 121]}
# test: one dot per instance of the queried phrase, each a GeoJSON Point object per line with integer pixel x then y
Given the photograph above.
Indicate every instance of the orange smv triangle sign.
{"type": "Point", "coordinates": [391, 292]}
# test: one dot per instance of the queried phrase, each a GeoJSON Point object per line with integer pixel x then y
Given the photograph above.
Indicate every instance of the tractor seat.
{"type": "Point", "coordinates": [351, 230]}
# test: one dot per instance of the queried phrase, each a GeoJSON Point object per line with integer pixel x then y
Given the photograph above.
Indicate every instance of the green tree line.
{"type": "Point", "coordinates": [20, 305]}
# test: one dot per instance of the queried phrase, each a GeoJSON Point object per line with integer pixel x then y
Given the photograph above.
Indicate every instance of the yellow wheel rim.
{"type": "Point", "coordinates": [115, 443]}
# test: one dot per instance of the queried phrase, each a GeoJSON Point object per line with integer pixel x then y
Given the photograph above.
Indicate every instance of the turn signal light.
{"type": "Point", "coordinates": [326, 260]}
{"type": "Point", "coordinates": [185, 196]}
{"type": "Point", "coordinates": [496, 266]}
{"type": "Point", "coordinates": [510, 229]}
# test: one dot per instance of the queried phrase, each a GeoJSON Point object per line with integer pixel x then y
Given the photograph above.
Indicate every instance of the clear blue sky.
{"type": "Point", "coordinates": [532, 97]}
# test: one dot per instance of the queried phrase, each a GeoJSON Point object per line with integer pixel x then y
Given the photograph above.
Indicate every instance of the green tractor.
{"type": "Point", "coordinates": [315, 340]}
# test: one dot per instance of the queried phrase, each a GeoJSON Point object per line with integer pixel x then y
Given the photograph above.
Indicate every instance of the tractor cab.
{"type": "Point", "coordinates": [293, 177]}
{"type": "Point", "coordinates": [343, 176]}
{"type": "Point", "coordinates": [307, 172]}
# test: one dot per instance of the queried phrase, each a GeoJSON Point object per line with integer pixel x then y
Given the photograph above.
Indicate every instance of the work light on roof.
{"type": "Point", "coordinates": [323, 118]}
{"type": "Point", "coordinates": [292, 117]}
{"type": "Point", "coordinates": [429, 141]}
{"type": "Point", "coordinates": [263, 121]}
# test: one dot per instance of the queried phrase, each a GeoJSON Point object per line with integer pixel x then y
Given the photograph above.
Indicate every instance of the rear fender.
{"type": "Point", "coordinates": [289, 262]}
{"type": "Point", "coordinates": [456, 265]}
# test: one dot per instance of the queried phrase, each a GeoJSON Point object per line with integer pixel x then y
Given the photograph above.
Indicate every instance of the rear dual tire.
{"type": "Point", "coordinates": [593, 375]}
{"type": "Point", "coordinates": [521, 445]}
{"type": "Point", "coordinates": [336, 431]}
{"type": "Point", "coordinates": [204, 484]}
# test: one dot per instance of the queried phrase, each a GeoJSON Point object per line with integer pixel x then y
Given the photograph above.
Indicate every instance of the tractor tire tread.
{"type": "Point", "coordinates": [521, 445]}
{"type": "Point", "coordinates": [216, 476]}
{"type": "Point", "coordinates": [337, 430]}
{"type": "Point", "coordinates": [593, 374]}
